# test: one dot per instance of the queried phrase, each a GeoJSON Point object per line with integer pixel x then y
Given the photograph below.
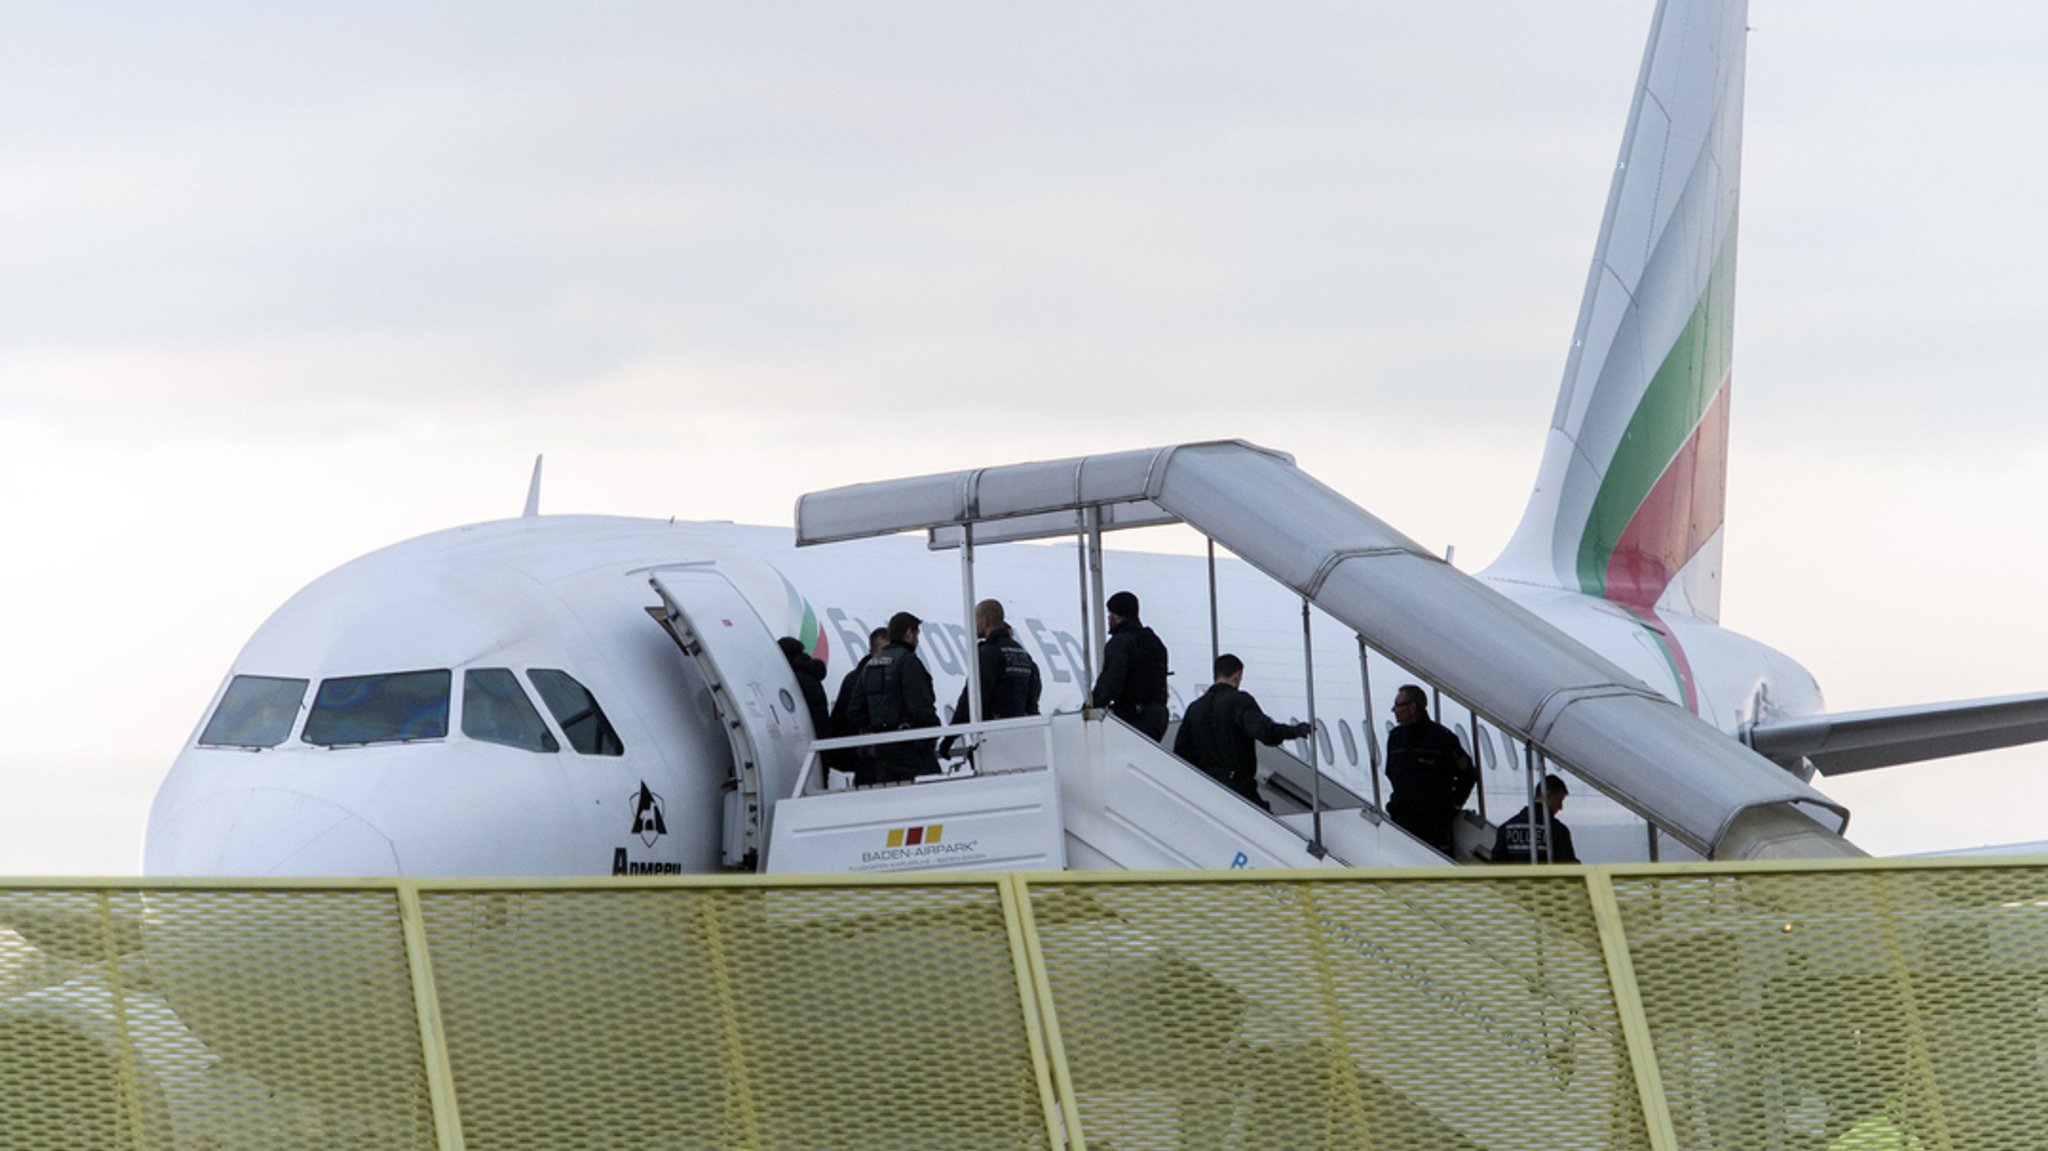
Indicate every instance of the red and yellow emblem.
{"type": "Point", "coordinates": [913, 836]}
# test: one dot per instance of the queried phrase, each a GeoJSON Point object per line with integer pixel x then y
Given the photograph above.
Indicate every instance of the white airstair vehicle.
{"type": "Point", "coordinates": [1085, 791]}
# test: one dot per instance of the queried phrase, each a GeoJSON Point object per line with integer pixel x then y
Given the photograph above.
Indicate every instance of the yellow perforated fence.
{"type": "Point", "coordinates": [1860, 1006]}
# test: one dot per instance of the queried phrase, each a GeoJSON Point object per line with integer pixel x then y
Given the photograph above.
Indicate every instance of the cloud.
{"type": "Point", "coordinates": [304, 223]}
{"type": "Point", "coordinates": [284, 283]}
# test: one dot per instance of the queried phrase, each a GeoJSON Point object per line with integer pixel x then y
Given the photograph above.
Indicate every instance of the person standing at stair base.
{"type": "Point", "coordinates": [1219, 730]}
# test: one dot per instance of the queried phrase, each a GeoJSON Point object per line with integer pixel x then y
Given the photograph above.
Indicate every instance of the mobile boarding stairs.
{"type": "Point", "coordinates": [1072, 791]}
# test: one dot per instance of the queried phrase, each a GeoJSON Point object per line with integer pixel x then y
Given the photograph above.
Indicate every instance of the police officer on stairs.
{"type": "Point", "coordinates": [1010, 684]}
{"type": "Point", "coordinates": [846, 759]}
{"type": "Point", "coordinates": [1133, 680]}
{"type": "Point", "coordinates": [1431, 774]}
{"type": "Point", "coordinates": [810, 676]}
{"type": "Point", "coordinates": [1220, 727]}
{"type": "Point", "coordinates": [895, 694]}
{"type": "Point", "coordinates": [1530, 838]}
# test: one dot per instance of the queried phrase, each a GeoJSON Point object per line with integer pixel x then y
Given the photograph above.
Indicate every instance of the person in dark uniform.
{"type": "Point", "coordinates": [1219, 729]}
{"type": "Point", "coordinates": [877, 640]}
{"type": "Point", "coordinates": [1430, 772]}
{"type": "Point", "coordinates": [810, 676]}
{"type": "Point", "coordinates": [895, 694]}
{"type": "Point", "coordinates": [1133, 680]}
{"type": "Point", "coordinates": [1536, 839]}
{"type": "Point", "coordinates": [847, 759]}
{"type": "Point", "coordinates": [1010, 684]}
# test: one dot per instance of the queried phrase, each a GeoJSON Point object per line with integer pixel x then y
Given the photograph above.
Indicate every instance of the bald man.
{"type": "Point", "coordinates": [1010, 685]}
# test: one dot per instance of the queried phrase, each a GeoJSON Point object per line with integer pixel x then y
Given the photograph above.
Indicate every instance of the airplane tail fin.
{"type": "Point", "coordinates": [1628, 501]}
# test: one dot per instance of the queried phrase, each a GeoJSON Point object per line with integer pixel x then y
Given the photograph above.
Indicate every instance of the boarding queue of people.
{"type": "Point", "coordinates": [1429, 772]}
{"type": "Point", "coordinates": [890, 690]}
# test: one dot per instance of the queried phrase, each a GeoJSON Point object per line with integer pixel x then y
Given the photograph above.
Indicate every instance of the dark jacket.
{"type": "Point", "coordinates": [895, 694]}
{"type": "Point", "coordinates": [1133, 680]}
{"type": "Point", "coordinates": [839, 724]}
{"type": "Point", "coordinates": [1009, 679]}
{"type": "Point", "coordinates": [1217, 734]}
{"type": "Point", "coordinates": [810, 676]}
{"type": "Point", "coordinates": [1431, 777]}
{"type": "Point", "coordinates": [843, 702]}
{"type": "Point", "coordinates": [1511, 842]}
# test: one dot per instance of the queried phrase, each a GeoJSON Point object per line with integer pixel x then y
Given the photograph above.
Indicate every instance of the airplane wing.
{"type": "Point", "coordinates": [1862, 740]}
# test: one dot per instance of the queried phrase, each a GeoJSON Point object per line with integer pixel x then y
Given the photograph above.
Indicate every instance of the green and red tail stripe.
{"type": "Point", "coordinates": [1662, 497]}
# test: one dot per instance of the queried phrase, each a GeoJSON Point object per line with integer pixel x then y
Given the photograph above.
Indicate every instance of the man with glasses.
{"type": "Point", "coordinates": [1429, 770]}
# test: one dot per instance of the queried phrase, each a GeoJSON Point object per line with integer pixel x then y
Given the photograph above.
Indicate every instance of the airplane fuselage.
{"type": "Point", "coordinates": [571, 595]}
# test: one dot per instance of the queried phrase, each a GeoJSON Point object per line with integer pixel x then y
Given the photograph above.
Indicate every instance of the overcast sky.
{"type": "Point", "coordinates": [284, 283]}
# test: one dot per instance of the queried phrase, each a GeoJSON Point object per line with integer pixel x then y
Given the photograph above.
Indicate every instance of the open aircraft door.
{"type": "Point", "coordinates": [756, 695]}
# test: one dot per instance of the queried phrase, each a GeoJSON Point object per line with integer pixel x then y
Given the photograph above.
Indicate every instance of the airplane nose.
{"type": "Point", "coordinates": [266, 832]}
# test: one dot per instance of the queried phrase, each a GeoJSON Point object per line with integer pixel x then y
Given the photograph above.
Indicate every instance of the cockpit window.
{"type": "Point", "coordinates": [576, 710]}
{"type": "Point", "coordinates": [255, 711]}
{"type": "Point", "coordinates": [393, 708]}
{"type": "Point", "coordinates": [495, 710]}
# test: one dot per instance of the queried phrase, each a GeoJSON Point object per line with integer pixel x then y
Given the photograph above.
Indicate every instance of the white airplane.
{"type": "Point", "coordinates": [512, 697]}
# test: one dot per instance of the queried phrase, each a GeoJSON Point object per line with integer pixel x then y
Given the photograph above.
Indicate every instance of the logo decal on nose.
{"type": "Point", "coordinates": [648, 823]}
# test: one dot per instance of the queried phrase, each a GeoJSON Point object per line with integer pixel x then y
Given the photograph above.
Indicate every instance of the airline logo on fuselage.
{"type": "Point", "coordinates": [649, 823]}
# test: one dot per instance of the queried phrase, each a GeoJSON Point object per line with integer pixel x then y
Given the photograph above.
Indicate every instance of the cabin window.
{"type": "Point", "coordinates": [1323, 742]}
{"type": "Point", "coordinates": [1350, 744]}
{"type": "Point", "coordinates": [576, 710]}
{"type": "Point", "coordinates": [255, 711]}
{"type": "Point", "coordinates": [495, 710]}
{"type": "Point", "coordinates": [396, 707]}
